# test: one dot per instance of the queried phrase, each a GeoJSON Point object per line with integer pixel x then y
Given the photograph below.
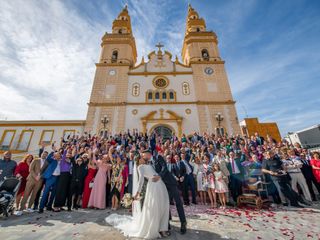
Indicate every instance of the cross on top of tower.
{"type": "Point", "coordinates": [159, 45]}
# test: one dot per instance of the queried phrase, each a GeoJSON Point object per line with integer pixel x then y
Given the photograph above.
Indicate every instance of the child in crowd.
{"type": "Point", "coordinates": [220, 184]}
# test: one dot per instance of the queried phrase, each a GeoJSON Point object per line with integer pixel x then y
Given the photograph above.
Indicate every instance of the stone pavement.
{"type": "Point", "coordinates": [245, 223]}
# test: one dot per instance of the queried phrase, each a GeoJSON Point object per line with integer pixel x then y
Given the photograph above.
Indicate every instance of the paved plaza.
{"type": "Point", "coordinates": [245, 223]}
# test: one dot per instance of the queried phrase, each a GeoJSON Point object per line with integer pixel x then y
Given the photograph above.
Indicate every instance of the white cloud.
{"type": "Point", "coordinates": [47, 60]}
{"type": "Point", "coordinates": [48, 51]}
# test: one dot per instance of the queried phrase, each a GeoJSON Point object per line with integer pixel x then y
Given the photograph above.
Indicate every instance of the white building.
{"type": "Point", "coordinates": [307, 138]}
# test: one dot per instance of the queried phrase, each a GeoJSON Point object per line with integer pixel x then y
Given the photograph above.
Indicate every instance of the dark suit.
{"type": "Point", "coordinates": [153, 143]}
{"type": "Point", "coordinates": [188, 181]}
{"type": "Point", "coordinates": [180, 171]}
{"type": "Point", "coordinates": [41, 150]}
{"type": "Point", "coordinates": [160, 167]}
{"type": "Point", "coordinates": [236, 179]}
{"type": "Point", "coordinates": [79, 173]}
{"type": "Point", "coordinates": [130, 183]}
{"type": "Point", "coordinates": [308, 175]}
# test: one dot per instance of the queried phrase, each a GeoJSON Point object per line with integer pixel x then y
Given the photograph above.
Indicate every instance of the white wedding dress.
{"type": "Point", "coordinates": [153, 217]}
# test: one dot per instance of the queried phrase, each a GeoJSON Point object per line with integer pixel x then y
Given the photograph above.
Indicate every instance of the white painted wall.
{"type": "Point", "coordinates": [175, 83]}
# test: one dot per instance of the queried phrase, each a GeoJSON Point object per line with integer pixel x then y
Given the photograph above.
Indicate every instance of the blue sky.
{"type": "Point", "coordinates": [271, 48]}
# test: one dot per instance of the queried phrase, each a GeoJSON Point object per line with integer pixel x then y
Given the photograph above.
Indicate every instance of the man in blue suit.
{"type": "Point", "coordinates": [50, 172]}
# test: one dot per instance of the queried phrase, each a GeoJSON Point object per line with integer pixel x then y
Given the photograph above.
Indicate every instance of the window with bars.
{"type": "Point", "coordinates": [160, 96]}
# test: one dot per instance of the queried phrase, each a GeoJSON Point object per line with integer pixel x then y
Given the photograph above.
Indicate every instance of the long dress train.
{"type": "Point", "coordinates": [153, 217]}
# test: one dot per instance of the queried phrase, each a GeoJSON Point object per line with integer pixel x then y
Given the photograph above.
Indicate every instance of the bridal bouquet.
{"type": "Point", "coordinates": [127, 200]}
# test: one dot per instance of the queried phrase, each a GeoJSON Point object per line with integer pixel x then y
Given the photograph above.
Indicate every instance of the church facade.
{"type": "Point", "coordinates": [161, 93]}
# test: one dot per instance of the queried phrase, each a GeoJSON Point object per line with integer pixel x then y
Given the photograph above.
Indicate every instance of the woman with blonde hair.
{"type": "Point", "coordinates": [315, 164]}
{"type": "Point", "coordinates": [22, 172]}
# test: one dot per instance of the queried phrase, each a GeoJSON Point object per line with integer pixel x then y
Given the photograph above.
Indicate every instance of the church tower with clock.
{"type": "Point", "coordinates": [161, 93]}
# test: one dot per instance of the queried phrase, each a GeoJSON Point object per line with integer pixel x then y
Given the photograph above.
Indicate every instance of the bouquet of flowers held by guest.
{"type": "Point", "coordinates": [127, 200]}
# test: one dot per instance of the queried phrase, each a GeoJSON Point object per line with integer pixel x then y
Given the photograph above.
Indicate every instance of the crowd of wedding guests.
{"type": "Point", "coordinates": [95, 172]}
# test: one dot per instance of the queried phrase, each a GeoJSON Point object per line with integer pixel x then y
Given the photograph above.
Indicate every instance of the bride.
{"type": "Point", "coordinates": [151, 220]}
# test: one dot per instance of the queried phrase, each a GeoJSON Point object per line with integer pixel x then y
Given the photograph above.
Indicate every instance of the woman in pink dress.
{"type": "Point", "coordinates": [315, 164]}
{"type": "Point", "coordinates": [98, 193]}
{"type": "Point", "coordinates": [92, 171]}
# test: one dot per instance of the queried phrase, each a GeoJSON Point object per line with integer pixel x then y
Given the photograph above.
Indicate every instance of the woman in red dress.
{"type": "Point", "coordinates": [125, 175]}
{"type": "Point", "coordinates": [22, 171]}
{"type": "Point", "coordinates": [88, 182]}
{"type": "Point", "coordinates": [315, 164]}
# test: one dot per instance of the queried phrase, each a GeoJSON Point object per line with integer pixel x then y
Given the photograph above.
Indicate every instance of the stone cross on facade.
{"type": "Point", "coordinates": [159, 46]}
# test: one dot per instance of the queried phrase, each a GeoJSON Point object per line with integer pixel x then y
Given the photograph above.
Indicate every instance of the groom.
{"type": "Point", "coordinates": [160, 167]}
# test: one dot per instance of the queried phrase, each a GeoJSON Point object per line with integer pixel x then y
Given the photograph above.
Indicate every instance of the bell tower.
{"type": "Point", "coordinates": [110, 86]}
{"type": "Point", "coordinates": [200, 52]}
{"type": "Point", "coordinates": [199, 44]}
{"type": "Point", "coordinates": [119, 46]}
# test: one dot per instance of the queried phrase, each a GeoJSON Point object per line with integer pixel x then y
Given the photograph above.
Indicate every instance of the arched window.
{"type": "Point", "coordinates": [114, 56]}
{"type": "Point", "coordinates": [160, 96]}
{"type": "Point", "coordinates": [198, 29]}
{"type": "Point", "coordinates": [205, 54]}
{"type": "Point", "coordinates": [150, 97]}
{"type": "Point", "coordinates": [164, 96]}
{"type": "Point", "coordinates": [171, 95]}
{"type": "Point", "coordinates": [157, 96]}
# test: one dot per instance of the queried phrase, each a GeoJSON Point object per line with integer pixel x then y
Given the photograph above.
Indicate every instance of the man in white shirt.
{"type": "Point", "coordinates": [236, 176]}
{"type": "Point", "coordinates": [189, 181]}
{"type": "Point", "coordinates": [292, 165]}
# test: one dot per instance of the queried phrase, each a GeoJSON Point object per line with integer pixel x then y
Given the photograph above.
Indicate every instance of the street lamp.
{"type": "Point", "coordinates": [104, 121]}
{"type": "Point", "coordinates": [219, 118]}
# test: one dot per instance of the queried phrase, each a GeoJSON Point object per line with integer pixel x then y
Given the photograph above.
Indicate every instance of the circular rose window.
{"type": "Point", "coordinates": [160, 82]}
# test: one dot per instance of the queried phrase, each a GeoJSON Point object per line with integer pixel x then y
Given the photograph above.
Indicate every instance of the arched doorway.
{"type": "Point", "coordinates": [162, 121]}
{"type": "Point", "coordinates": [164, 131]}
